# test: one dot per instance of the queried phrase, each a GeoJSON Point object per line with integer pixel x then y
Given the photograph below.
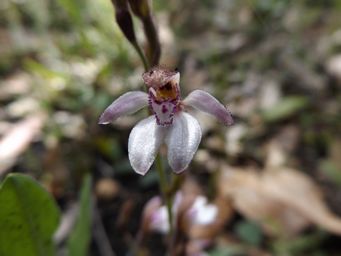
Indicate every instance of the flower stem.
{"type": "Point", "coordinates": [142, 57]}
{"type": "Point", "coordinates": [165, 191]}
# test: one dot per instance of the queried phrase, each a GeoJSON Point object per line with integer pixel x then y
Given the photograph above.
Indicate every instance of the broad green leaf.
{"type": "Point", "coordinates": [79, 240]}
{"type": "Point", "coordinates": [28, 218]}
{"type": "Point", "coordinates": [285, 108]}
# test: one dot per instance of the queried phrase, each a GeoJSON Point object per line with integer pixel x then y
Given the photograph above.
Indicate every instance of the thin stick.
{"type": "Point", "coordinates": [100, 235]}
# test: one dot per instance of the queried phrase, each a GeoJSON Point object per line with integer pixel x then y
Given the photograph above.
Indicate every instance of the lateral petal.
{"type": "Point", "coordinates": [183, 139]}
{"type": "Point", "coordinates": [144, 142]}
{"type": "Point", "coordinates": [126, 104]}
{"type": "Point", "coordinates": [207, 103]}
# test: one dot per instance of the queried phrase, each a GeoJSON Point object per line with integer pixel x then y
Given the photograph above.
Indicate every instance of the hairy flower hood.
{"type": "Point", "coordinates": [170, 123]}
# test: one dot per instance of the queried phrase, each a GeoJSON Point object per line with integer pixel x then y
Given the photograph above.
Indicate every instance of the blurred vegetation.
{"type": "Point", "coordinates": [276, 64]}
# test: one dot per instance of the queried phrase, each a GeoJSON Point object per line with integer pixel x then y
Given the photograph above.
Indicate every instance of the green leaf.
{"type": "Point", "coordinates": [231, 250]}
{"type": "Point", "coordinates": [79, 240]}
{"type": "Point", "coordinates": [249, 232]}
{"type": "Point", "coordinates": [29, 216]}
{"type": "Point", "coordinates": [285, 108]}
{"type": "Point", "coordinates": [302, 245]}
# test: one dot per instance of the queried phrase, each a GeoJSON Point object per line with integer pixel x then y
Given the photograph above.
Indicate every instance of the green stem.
{"type": "Point", "coordinates": [142, 57]}
{"type": "Point", "coordinates": [166, 195]}
{"type": "Point", "coordinates": [165, 189]}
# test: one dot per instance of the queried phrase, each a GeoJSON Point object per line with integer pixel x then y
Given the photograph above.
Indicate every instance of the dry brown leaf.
{"type": "Point", "coordinates": [250, 199]}
{"type": "Point", "coordinates": [16, 140]}
{"type": "Point", "coordinates": [283, 201]}
{"type": "Point", "coordinates": [298, 191]}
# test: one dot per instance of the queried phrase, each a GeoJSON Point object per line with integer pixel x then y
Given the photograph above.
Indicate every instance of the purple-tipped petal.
{"type": "Point", "coordinates": [144, 142]}
{"type": "Point", "coordinates": [183, 139]}
{"type": "Point", "coordinates": [207, 103]}
{"type": "Point", "coordinates": [126, 104]}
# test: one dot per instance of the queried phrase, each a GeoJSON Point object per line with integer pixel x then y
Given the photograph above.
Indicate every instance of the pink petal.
{"type": "Point", "coordinates": [144, 142]}
{"type": "Point", "coordinates": [126, 104]}
{"type": "Point", "coordinates": [207, 103]}
{"type": "Point", "coordinates": [183, 139]}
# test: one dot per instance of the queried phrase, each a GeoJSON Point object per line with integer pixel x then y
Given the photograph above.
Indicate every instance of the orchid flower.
{"type": "Point", "coordinates": [159, 219]}
{"type": "Point", "coordinates": [170, 123]}
{"type": "Point", "coordinates": [201, 212]}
